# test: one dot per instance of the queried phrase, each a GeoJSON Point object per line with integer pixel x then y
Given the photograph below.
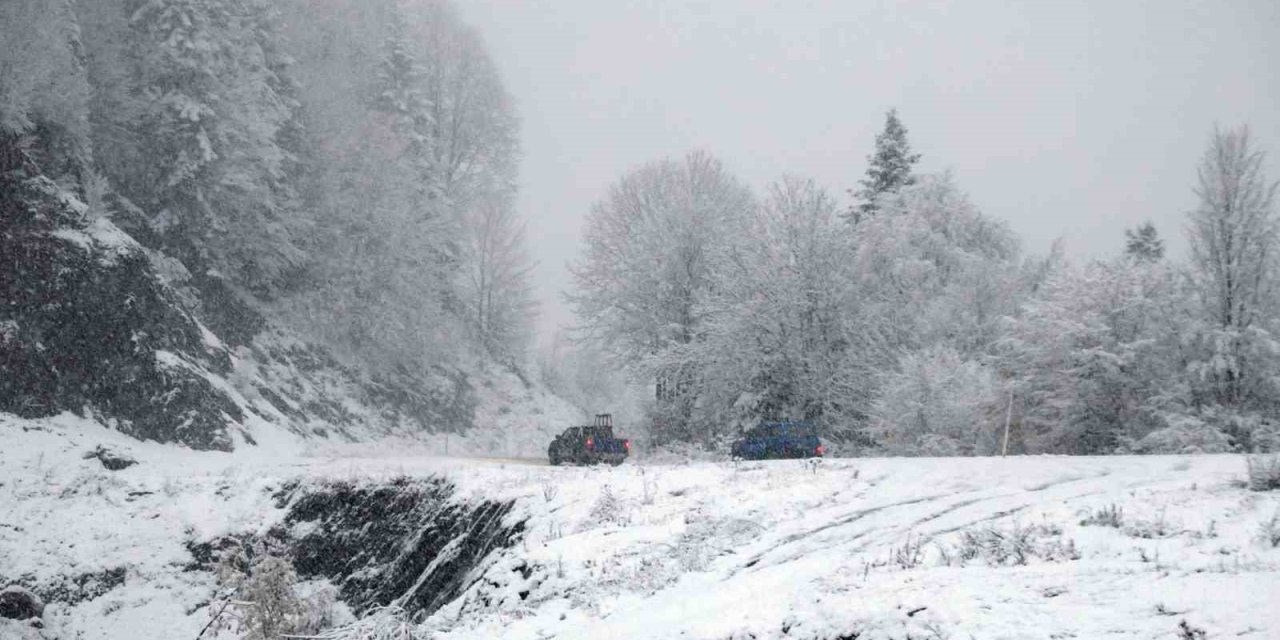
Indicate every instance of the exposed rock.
{"type": "Point", "coordinates": [92, 320]}
{"type": "Point", "coordinates": [111, 459]}
{"type": "Point", "coordinates": [205, 555]}
{"type": "Point", "coordinates": [407, 540]}
{"type": "Point", "coordinates": [16, 603]}
{"type": "Point", "coordinates": [86, 321]}
{"type": "Point", "coordinates": [71, 590]}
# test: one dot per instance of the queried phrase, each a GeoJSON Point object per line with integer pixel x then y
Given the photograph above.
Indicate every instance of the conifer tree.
{"type": "Point", "coordinates": [1143, 243]}
{"type": "Point", "coordinates": [890, 168]}
{"type": "Point", "coordinates": [213, 107]}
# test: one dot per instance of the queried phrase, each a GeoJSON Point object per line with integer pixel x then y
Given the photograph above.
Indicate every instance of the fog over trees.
{"type": "Point", "coordinates": [347, 168]}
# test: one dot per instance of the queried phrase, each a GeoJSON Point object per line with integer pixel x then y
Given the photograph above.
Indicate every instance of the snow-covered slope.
{"type": "Point", "coordinates": [875, 548]}
{"type": "Point", "coordinates": [891, 548]}
{"type": "Point", "coordinates": [95, 323]}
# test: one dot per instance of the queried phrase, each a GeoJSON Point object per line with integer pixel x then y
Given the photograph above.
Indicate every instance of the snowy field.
{"type": "Point", "coordinates": [1045, 547]}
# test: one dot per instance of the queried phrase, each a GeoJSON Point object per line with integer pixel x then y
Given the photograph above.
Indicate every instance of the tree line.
{"type": "Point", "coordinates": [910, 323]}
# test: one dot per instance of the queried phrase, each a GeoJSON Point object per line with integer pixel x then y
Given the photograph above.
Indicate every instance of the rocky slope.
{"type": "Point", "coordinates": [86, 325]}
{"type": "Point", "coordinates": [93, 322]}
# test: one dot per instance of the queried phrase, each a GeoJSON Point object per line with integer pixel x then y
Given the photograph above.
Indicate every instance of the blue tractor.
{"type": "Point", "coordinates": [774, 440]}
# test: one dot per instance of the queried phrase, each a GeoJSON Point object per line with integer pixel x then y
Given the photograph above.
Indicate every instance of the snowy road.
{"type": "Point", "coordinates": [504, 460]}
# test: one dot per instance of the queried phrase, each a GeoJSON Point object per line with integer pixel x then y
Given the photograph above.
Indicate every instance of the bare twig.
{"type": "Point", "coordinates": [217, 616]}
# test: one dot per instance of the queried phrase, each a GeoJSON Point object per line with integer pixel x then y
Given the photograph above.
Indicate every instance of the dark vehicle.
{"type": "Point", "coordinates": [773, 440]}
{"type": "Point", "coordinates": [589, 445]}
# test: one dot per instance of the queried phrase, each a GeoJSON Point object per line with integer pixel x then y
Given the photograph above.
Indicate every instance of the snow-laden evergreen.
{"type": "Point", "coordinates": [889, 168]}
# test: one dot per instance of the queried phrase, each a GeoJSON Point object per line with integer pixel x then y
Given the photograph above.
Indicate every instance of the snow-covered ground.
{"type": "Point", "coordinates": [885, 548]}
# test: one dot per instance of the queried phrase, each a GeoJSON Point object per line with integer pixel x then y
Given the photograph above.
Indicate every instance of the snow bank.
{"type": "Point", "coordinates": [1045, 547]}
{"type": "Point", "coordinates": [886, 548]}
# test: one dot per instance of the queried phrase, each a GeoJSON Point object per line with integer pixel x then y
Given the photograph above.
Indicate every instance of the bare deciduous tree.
{"type": "Point", "coordinates": [496, 283]}
{"type": "Point", "coordinates": [651, 250]}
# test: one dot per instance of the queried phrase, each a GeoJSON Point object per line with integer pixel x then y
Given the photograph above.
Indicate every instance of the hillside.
{"type": "Point", "coordinates": [96, 324]}
{"type": "Point", "coordinates": [1028, 547]}
{"type": "Point", "coordinates": [200, 246]}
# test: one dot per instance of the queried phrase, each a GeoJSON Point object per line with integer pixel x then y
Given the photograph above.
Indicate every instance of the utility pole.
{"type": "Point", "coordinates": [1008, 415]}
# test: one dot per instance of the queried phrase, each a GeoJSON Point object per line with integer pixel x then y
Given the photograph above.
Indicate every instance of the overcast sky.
{"type": "Point", "coordinates": [1067, 119]}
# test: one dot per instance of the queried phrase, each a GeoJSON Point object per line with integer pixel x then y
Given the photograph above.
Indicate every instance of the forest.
{"type": "Point", "coordinates": [339, 173]}
{"type": "Point", "coordinates": [909, 323]}
{"type": "Point", "coordinates": [344, 166]}
{"type": "Point", "coordinates": [347, 169]}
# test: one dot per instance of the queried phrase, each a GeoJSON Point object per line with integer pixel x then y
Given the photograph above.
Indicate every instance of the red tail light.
{"type": "Point", "coordinates": [627, 444]}
{"type": "Point", "coordinates": [590, 443]}
{"type": "Point", "coordinates": [820, 450]}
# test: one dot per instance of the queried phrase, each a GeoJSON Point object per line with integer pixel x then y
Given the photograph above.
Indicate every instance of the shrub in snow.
{"type": "Point", "coordinates": [274, 607]}
{"type": "Point", "coordinates": [264, 593]}
{"type": "Point", "coordinates": [1266, 437]}
{"type": "Point", "coordinates": [911, 553]}
{"type": "Point", "coordinates": [1185, 434]}
{"type": "Point", "coordinates": [1264, 472]}
{"type": "Point", "coordinates": [1158, 527]}
{"type": "Point", "coordinates": [936, 404]}
{"type": "Point", "coordinates": [649, 486]}
{"type": "Point", "coordinates": [16, 603]}
{"type": "Point", "coordinates": [1111, 516]}
{"type": "Point", "coordinates": [321, 608]}
{"type": "Point", "coordinates": [608, 509]}
{"type": "Point", "coordinates": [112, 460]}
{"type": "Point", "coordinates": [1015, 545]}
{"type": "Point", "coordinates": [389, 623]}
{"type": "Point", "coordinates": [1269, 530]}
{"type": "Point", "coordinates": [1188, 632]}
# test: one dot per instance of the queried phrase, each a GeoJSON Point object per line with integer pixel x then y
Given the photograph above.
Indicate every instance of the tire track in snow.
{"type": "Point", "coordinates": [887, 535]}
{"type": "Point", "coordinates": [794, 538]}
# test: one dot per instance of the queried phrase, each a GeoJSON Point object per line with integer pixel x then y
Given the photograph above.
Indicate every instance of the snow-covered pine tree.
{"type": "Point", "coordinates": [401, 96]}
{"type": "Point", "coordinates": [43, 88]}
{"type": "Point", "coordinates": [435, 227]}
{"type": "Point", "coordinates": [889, 170]}
{"type": "Point", "coordinates": [210, 114]}
{"type": "Point", "coordinates": [399, 78]}
{"type": "Point", "coordinates": [1144, 243]}
{"type": "Point", "coordinates": [413, 131]}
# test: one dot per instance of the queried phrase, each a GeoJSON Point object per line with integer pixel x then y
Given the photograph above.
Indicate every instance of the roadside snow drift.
{"type": "Point", "coordinates": [1047, 547]}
